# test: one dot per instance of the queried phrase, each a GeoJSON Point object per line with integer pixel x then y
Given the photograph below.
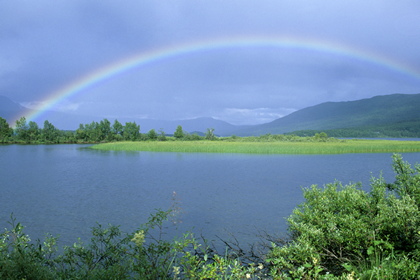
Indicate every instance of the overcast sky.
{"type": "Point", "coordinates": [47, 45]}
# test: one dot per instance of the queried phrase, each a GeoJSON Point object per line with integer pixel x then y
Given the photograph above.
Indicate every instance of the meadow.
{"type": "Point", "coordinates": [269, 147]}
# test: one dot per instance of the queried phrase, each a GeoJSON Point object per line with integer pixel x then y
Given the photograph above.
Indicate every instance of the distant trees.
{"type": "Point", "coordinates": [210, 134]}
{"type": "Point", "coordinates": [179, 133]}
{"type": "Point", "coordinates": [131, 131]}
{"type": "Point", "coordinates": [162, 136]}
{"type": "Point", "coordinates": [94, 132]}
{"type": "Point", "coordinates": [409, 129]}
{"type": "Point", "coordinates": [33, 131]}
{"type": "Point", "coordinates": [321, 137]}
{"type": "Point", "coordinates": [5, 131]}
{"type": "Point", "coordinates": [49, 133]}
{"type": "Point", "coordinates": [117, 130]}
{"type": "Point", "coordinates": [152, 135]}
{"type": "Point", "coordinates": [21, 130]}
{"type": "Point", "coordinates": [193, 137]}
{"type": "Point", "coordinates": [104, 132]}
{"type": "Point", "coordinates": [88, 132]}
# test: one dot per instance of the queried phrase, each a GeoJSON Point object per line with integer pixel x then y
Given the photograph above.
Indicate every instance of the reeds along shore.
{"type": "Point", "coordinates": [272, 147]}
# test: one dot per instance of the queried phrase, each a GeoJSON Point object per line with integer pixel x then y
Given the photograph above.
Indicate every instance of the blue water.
{"type": "Point", "coordinates": [67, 189]}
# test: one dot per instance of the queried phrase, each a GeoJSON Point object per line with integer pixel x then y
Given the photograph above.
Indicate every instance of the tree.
{"type": "Point", "coordinates": [49, 132]}
{"type": "Point", "coordinates": [93, 132]}
{"type": "Point", "coordinates": [117, 130]}
{"type": "Point", "coordinates": [210, 134]}
{"type": "Point", "coordinates": [67, 135]}
{"type": "Point", "coordinates": [179, 133]}
{"type": "Point", "coordinates": [5, 131]}
{"type": "Point", "coordinates": [81, 133]}
{"type": "Point", "coordinates": [105, 130]}
{"type": "Point", "coordinates": [131, 131]}
{"type": "Point", "coordinates": [33, 131]}
{"type": "Point", "coordinates": [89, 132]}
{"type": "Point", "coordinates": [152, 135]}
{"type": "Point", "coordinates": [21, 129]}
{"type": "Point", "coordinates": [321, 137]}
{"type": "Point", "coordinates": [193, 137]}
{"type": "Point", "coordinates": [162, 136]}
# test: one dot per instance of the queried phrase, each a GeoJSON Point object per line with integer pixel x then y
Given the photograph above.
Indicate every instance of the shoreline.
{"type": "Point", "coordinates": [275, 147]}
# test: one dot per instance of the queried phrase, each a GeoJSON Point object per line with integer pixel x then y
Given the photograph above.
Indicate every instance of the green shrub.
{"type": "Point", "coordinates": [21, 259]}
{"type": "Point", "coordinates": [112, 254]}
{"type": "Point", "coordinates": [338, 229]}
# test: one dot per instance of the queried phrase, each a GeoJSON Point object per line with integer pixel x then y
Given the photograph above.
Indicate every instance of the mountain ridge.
{"type": "Point", "coordinates": [391, 110]}
{"type": "Point", "coordinates": [377, 110]}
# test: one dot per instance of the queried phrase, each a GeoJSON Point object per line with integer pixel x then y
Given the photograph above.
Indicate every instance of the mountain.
{"type": "Point", "coordinates": [9, 110]}
{"type": "Point", "coordinates": [191, 125]}
{"type": "Point", "coordinates": [375, 111]}
{"type": "Point", "coordinates": [390, 113]}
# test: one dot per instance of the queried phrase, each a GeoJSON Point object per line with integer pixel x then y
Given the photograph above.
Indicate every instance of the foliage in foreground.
{"type": "Point", "coordinates": [339, 232]}
{"type": "Point", "coordinates": [112, 254]}
{"type": "Point", "coordinates": [340, 229]}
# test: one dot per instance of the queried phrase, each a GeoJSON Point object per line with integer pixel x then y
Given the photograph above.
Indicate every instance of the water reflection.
{"type": "Point", "coordinates": [66, 189]}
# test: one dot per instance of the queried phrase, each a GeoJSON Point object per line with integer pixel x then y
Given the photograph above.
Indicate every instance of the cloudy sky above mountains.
{"type": "Point", "coordinates": [241, 61]}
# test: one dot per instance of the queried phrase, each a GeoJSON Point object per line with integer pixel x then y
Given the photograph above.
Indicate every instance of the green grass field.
{"type": "Point", "coordinates": [338, 147]}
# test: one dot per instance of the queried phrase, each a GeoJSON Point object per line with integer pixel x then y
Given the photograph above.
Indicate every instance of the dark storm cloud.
{"type": "Point", "coordinates": [45, 45]}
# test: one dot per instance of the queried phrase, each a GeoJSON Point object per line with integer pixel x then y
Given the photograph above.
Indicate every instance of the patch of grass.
{"type": "Point", "coordinates": [337, 147]}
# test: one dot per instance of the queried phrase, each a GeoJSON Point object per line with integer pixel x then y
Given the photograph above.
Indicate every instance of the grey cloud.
{"type": "Point", "coordinates": [46, 45]}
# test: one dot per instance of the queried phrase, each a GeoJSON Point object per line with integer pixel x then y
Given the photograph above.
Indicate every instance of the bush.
{"type": "Point", "coordinates": [112, 254]}
{"type": "Point", "coordinates": [340, 229]}
{"type": "Point", "coordinates": [21, 259]}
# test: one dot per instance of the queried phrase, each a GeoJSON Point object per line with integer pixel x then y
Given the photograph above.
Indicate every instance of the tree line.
{"type": "Point", "coordinates": [94, 132]}
{"type": "Point", "coordinates": [409, 129]}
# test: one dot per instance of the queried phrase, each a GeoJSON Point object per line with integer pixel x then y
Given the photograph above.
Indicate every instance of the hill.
{"type": "Point", "coordinates": [378, 111]}
{"type": "Point", "coordinates": [395, 115]}
{"type": "Point", "coordinates": [190, 125]}
{"type": "Point", "coordinates": [10, 110]}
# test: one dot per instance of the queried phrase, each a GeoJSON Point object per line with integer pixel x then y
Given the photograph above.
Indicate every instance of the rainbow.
{"type": "Point", "coordinates": [147, 57]}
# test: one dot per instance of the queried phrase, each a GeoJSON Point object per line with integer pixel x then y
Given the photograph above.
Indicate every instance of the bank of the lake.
{"type": "Point", "coordinates": [279, 147]}
{"type": "Point", "coordinates": [65, 190]}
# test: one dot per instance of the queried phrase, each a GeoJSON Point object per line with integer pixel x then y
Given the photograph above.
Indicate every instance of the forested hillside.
{"type": "Point", "coordinates": [387, 113]}
{"type": "Point", "coordinates": [396, 115]}
{"type": "Point", "coordinates": [409, 129]}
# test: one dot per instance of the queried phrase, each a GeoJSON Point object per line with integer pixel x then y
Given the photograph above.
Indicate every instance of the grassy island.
{"type": "Point", "coordinates": [248, 145]}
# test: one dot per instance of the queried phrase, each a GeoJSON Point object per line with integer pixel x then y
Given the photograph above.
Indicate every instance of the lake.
{"type": "Point", "coordinates": [67, 189]}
